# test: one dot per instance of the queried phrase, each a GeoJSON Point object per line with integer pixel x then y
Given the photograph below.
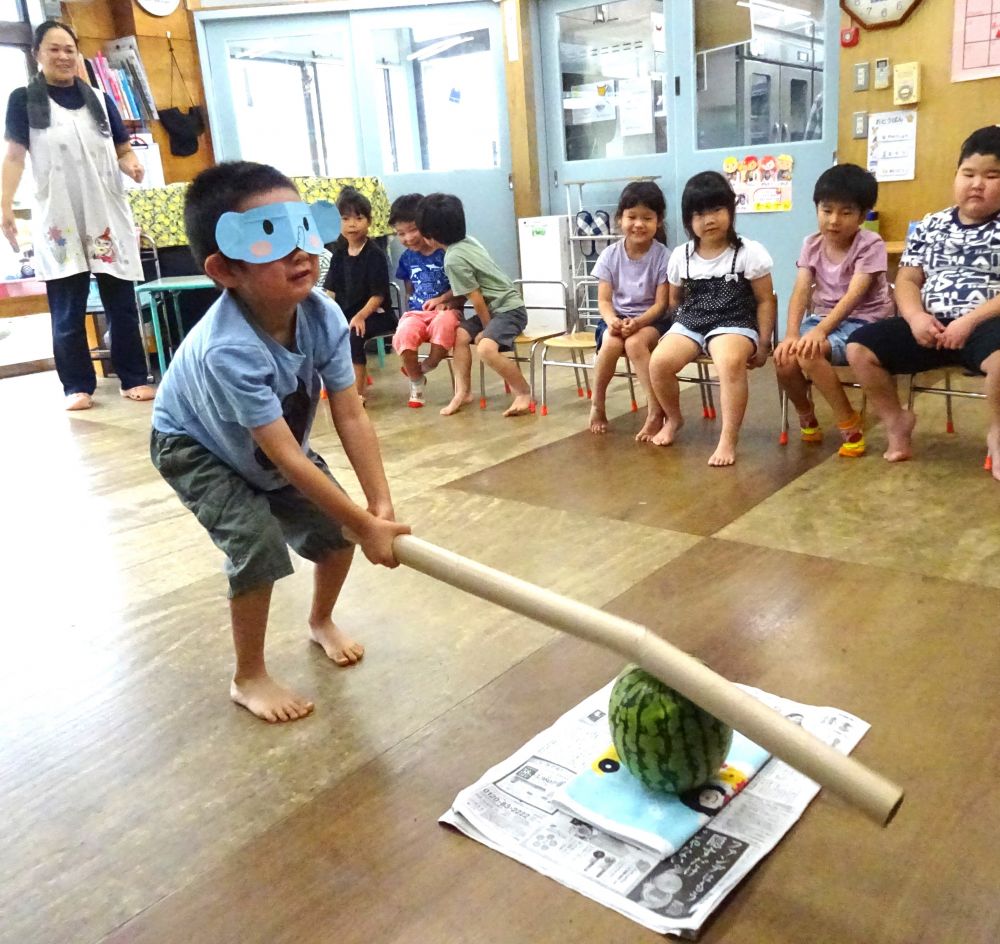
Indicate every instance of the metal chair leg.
{"type": "Point", "coordinates": [631, 384]}
{"type": "Point", "coordinates": [783, 436]}
{"type": "Point", "coordinates": [949, 426]}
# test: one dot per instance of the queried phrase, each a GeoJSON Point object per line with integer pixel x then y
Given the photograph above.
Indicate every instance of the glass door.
{"type": "Point", "coordinates": [757, 100]}
{"type": "Point", "coordinates": [605, 96]}
{"type": "Point", "coordinates": [283, 93]}
{"type": "Point", "coordinates": [414, 96]}
{"type": "Point", "coordinates": [431, 86]}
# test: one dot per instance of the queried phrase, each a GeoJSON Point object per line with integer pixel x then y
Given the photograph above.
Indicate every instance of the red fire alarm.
{"type": "Point", "coordinates": [849, 36]}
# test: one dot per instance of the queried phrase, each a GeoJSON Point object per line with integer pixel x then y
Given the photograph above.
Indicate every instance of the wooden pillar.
{"type": "Point", "coordinates": [521, 107]}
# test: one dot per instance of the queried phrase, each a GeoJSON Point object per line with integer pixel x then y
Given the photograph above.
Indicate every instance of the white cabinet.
{"type": "Point", "coordinates": [545, 256]}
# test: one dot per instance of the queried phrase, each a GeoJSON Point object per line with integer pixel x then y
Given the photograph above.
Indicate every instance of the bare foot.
{"type": "Point", "coordinates": [654, 423]}
{"type": "Point", "coordinates": [899, 433]}
{"type": "Point", "coordinates": [598, 420]}
{"type": "Point", "coordinates": [336, 643]}
{"type": "Point", "coordinates": [521, 405]}
{"type": "Point", "coordinates": [725, 454]}
{"type": "Point", "coordinates": [266, 699]}
{"type": "Point", "coordinates": [139, 394]}
{"type": "Point", "coordinates": [457, 402]}
{"type": "Point", "coordinates": [671, 428]}
{"type": "Point", "coordinates": [79, 401]}
{"type": "Point", "coordinates": [993, 445]}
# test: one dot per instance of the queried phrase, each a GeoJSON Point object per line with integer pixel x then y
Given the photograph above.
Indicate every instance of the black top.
{"type": "Point", "coordinates": [69, 96]}
{"type": "Point", "coordinates": [354, 279]}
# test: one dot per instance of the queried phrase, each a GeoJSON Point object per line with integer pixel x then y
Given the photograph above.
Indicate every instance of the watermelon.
{"type": "Point", "coordinates": [663, 738]}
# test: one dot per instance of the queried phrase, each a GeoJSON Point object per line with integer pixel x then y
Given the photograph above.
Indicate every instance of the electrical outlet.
{"type": "Point", "coordinates": [861, 124]}
{"type": "Point", "coordinates": [882, 74]}
{"type": "Point", "coordinates": [861, 70]}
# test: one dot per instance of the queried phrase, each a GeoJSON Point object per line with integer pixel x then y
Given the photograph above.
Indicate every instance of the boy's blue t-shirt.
{"type": "Point", "coordinates": [229, 377]}
{"type": "Point", "coordinates": [425, 274]}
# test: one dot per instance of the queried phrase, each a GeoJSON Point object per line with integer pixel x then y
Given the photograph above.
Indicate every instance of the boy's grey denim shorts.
{"type": "Point", "coordinates": [252, 527]}
{"type": "Point", "coordinates": [503, 327]}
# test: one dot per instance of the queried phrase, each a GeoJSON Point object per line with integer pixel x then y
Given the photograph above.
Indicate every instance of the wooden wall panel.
{"type": "Point", "coordinates": [101, 20]}
{"type": "Point", "coordinates": [947, 113]}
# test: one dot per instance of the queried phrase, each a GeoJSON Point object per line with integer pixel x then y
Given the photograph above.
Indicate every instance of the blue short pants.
{"type": "Point", "coordinates": [838, 337]}
{"type": "Point", "coordinates": [702, 339]}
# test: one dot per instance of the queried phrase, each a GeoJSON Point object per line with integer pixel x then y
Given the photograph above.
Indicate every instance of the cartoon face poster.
{"type": "Point", "coordinates": [762, 184]}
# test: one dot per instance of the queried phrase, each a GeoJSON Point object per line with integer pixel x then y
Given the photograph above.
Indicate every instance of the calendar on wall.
{"type": "Point", "coordinates": [975, 52]}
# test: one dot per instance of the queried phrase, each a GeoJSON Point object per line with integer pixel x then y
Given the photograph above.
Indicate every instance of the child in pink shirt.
{"type": "Point", "coordinates": [842, 285]}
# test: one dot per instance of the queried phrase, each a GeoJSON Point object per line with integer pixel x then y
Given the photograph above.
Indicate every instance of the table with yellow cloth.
{"type": "Point", "coordinates": [159, 211]}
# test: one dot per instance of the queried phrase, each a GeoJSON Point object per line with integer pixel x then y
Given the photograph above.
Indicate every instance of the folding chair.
{"type": "Point", "coordinates": [947, 392]}
{"type": "Point", "coordinates": [846, 380]}
{"type": "Point", "coordinates": [532, 338]}
{"type": "Point", "coordinates": [395, 301]}
{"type": "Point", "coordinates": [149, 259]}
{"type": "Point", "coordinates": [579, 340]}
{"type": "Point", "coordinates": [705, 381]}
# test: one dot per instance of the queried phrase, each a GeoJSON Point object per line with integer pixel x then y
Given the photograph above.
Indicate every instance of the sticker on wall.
{"type": "Point", "coordinates": [762, 184]}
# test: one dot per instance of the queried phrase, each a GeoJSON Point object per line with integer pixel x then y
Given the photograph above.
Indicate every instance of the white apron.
{"type": "Point", "coordinates": [82, 220]}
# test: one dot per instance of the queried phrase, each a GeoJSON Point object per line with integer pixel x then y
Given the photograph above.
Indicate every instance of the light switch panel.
{"type": "Point", "coordinates": [861, 76]}
{"type": "Point", "coordinates": [883, 76]}
{"type": "Point", "coordinates": [861, 124]}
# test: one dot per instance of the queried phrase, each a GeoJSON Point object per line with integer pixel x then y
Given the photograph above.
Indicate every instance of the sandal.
{"type": "Point", "coordinates": [585, 227]}
{"type": "Point", "coordinates": [79, 401]}
{"type": "Point", "coordinates": [139, 394]}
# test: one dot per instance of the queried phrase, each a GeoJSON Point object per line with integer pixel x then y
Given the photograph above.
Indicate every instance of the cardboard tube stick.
{"type": "Point", "coordinates": [849, 779]}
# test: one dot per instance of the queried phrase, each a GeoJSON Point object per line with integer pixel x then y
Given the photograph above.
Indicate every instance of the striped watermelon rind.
{"type": "Point", "coordinates": [663, 738]}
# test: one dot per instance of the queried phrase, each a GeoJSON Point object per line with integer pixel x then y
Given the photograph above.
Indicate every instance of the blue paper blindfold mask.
{"type": "Point", "coordinates": [271, 232]}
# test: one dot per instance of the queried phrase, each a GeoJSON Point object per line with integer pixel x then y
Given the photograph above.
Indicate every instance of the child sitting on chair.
{"type": "Point", "coordinates": [841, 283]}
{"type": "Point", "coordinates": [500, 314]}
{"type": "Point", "coordinates": [948, 295]}
{"type": "Point", "coordinates": [434, 312]}
{"type": "Point", "coordinates": [358, 279]}
{"type": "Point", "coordinates": [723, 305]}
{"type": "Point", "coordinates": [632, 300]}
{"type": "Point", "coordinates": [232, 417]}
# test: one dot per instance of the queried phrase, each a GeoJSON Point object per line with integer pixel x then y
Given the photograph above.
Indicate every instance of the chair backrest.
{"type": "Point", "coordinates": [551, 299]}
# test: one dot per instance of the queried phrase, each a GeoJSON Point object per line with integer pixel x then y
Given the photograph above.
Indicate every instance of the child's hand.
{"type": "Point", "coordinates": [926, 330]}
{"type": "Point", "coordinates": [956, 334]}
{"type": "Point", "coordinates": [357, 324]}
{"type": "Point", "coordinates": [759, 358]}
{"type": "Point", "coordinates": [628, 327]}
{"type": "Point", "coordinates": [784, 353]}
{"type": "Point", "coordinates": [431, 303]}
{"type": "Point", "coordinates": [811, 343]}
{"type": "Point", "coordinates": [615, 327]}
{"type": "Point", "coordinates": [376, 541]}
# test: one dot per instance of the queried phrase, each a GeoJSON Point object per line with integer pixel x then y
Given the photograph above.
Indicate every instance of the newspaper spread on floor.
{"type": "Point", "coordinates": [511, 809]}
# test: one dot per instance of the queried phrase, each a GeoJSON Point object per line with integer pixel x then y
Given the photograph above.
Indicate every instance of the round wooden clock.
{"type": "Point", "coordinates": [879, 14]}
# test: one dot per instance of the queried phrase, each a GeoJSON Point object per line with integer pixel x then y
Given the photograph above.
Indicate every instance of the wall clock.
{"type": "Point", "coordinates": [879, 14]}
{"type": "Point", "coordinates": [159, 7]}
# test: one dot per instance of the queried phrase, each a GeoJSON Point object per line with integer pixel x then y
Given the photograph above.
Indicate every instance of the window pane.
{"type": "Point", "coordinates": [291, 107]}
{"type": "Point", "coordinates": [611, 60]}
{"type": "Point", "coordinates": [760, 71]}
{"type": "Point", "coordinates": [428, 83]}
{"type": "Point", "coordinates": [10, 11]}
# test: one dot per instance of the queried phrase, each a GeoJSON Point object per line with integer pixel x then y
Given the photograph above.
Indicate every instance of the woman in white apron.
{"type": "Point", "coordinates": [81, 221]}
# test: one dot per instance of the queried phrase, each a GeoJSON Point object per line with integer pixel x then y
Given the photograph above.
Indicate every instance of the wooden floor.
{"type": "Point", "coordinates": [140, 805]}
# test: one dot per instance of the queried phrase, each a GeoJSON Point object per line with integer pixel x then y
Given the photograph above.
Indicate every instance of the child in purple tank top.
{"type": "Point", "coordinates": [632, 300]}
